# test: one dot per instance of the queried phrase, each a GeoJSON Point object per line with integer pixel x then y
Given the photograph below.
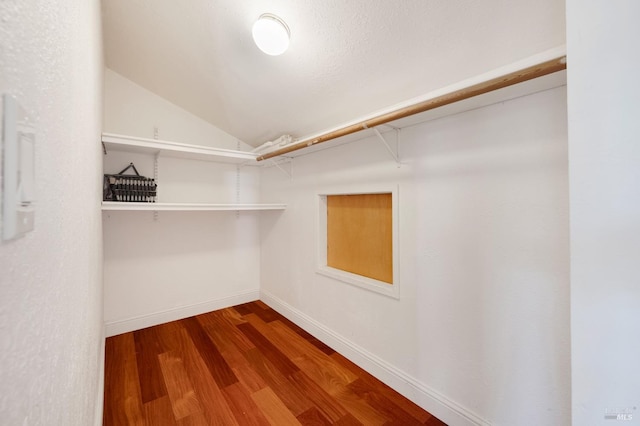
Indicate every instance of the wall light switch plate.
{"type": "Point", "coordinates": [18, 170]}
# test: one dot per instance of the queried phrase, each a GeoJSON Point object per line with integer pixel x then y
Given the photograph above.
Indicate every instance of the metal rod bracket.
{"type": "Point", "coordinates": [288, 173]}
{"type": "Point", "coordinates": [393, 153]}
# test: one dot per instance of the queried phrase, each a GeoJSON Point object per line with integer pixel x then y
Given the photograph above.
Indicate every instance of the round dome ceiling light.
{"type": "Point", "coordinates": [271, 34]}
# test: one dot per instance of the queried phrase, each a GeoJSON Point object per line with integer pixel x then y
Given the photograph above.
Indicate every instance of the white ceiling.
{"type": "Point", "coordinates": [347, 58]}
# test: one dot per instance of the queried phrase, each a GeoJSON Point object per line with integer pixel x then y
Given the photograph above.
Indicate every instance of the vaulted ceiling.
{"type": "Point", "coordinates": [347, 58]}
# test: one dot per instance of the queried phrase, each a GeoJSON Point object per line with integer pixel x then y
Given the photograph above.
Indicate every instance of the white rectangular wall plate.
{"type": "Point", "coordinates": [18, 170]}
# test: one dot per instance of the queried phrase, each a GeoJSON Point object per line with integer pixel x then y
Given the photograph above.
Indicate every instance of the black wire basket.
{"type": "Point", "coordinates": [129, 188]}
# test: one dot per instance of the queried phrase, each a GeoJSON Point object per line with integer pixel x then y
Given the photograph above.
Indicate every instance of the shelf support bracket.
{"type": "Point", "coordinates": [394, 154]}
{"type": "Point", "coordinates": [288, 173]}
{"type": "Point", "coordinates": [155, 179]}
{"type": "Point", "coordinates": [238, 186]}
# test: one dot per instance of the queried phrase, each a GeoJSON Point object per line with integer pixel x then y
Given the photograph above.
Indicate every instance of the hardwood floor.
{"type": "Point", "coordinates": [246, 365]}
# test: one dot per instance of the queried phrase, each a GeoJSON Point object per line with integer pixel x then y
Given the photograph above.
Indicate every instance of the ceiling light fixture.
{"type": "Point", "coordinates": [271, 34]}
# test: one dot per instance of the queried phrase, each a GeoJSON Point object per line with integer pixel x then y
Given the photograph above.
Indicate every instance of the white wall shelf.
{"type": "Point", "coordinates": [120, 206]}
{"type": "Point", "coordinates": [174, 149]}
{"type": "Point", "coordinates": [158, 148]}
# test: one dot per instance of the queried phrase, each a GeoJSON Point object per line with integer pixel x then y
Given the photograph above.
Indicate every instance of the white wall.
{"type": "Point", "coordinates": [51, 329]}
{"type": "Point", "coordinates": [604, 155]}
{"type": "Point", "coordinates": [130, 109]}
{"type": "Point", "coordinates": [482, 324]}
{"type": "Point", "coordinates": [182, 263]}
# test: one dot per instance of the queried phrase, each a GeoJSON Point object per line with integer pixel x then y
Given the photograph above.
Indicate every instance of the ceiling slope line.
{"type": "Point", "coordinates": [525, 74]}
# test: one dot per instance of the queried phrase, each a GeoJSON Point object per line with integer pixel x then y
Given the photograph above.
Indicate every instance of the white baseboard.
{"type": "Point", "coordinates": [113, 328]}
{"type": "Point", "coordinates": [440, 406]}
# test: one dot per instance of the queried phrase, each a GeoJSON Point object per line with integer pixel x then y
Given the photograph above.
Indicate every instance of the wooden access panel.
{"type": "Point", "coordinates": [359, 235]}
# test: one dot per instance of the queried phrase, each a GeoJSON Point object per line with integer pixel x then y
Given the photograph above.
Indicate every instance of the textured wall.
{"type": "Point", "coordinates": [604, 155]}
{"type": "Point", "coordinates": [483, 314]}
{"type": "Point", "coordinates": [51, 280]}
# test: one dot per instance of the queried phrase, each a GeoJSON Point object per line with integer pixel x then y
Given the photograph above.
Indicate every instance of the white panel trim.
{"type": "Point", "coordinates": [376, 286]}
{"type": "Point", "coordinates": [113, 328]}
{"type": "Point", "coordinates": [99, 402]}
{"type": "Point", "coordinates": [437, 404]}
{"type": "Point", "coordinates": [366, 283]}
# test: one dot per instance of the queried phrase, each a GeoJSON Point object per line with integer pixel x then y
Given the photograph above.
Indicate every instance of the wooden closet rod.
{"type": "Point", "coordinates": [535, 71]}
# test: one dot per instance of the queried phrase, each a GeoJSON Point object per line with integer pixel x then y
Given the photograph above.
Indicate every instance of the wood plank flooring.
{"type": "Point", "coordinates": [245, 365]}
